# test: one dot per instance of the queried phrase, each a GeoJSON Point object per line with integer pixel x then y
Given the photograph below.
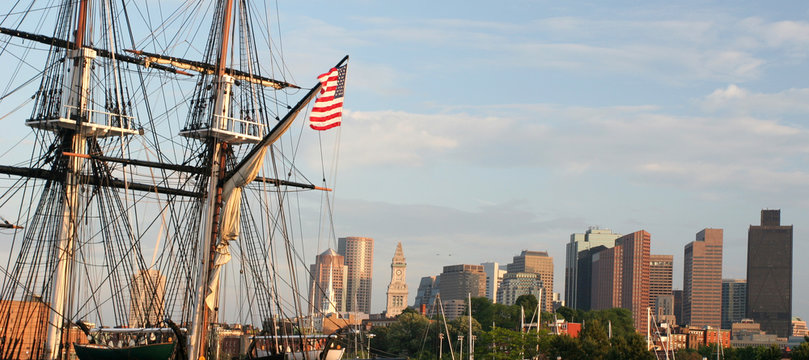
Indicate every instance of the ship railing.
{"type": "Point", "coordinates": [104, 118]}
{"type": "Point", "coordinates": [246, 127]}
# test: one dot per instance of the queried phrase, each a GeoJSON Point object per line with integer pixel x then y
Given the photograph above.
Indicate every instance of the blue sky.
{"type": "Point", "coordinates": [475, 130]}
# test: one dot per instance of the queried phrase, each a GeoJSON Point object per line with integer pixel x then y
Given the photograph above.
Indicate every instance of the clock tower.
{"type": "Point", "coordinates": [397, 289]}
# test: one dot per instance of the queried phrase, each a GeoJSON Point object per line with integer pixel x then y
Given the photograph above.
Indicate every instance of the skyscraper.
{"type": "Point", "coordinates": [575, 280]}
{"type": "Point", "coordinates": [537, 262]}
{"type": "Point", "coordinates": [635, 255]}
{"type": "Point", "coordinates": [734, 301]}
{"type": "Point", "coordinates": [678, 306]}
{"type": "Point", "coordinates": [147, 292]}
{"type": "Point", "coordinates": [425, 294]}
{"type": "Point", "coordinates": [702, 280]}
{"type": "Point", "coordinates": [397, 289]}
{"type": "Point", "coordinates": [494, 276]}
{"type": "Point", "coordinates": [517, 284]}
{"type": "Point", "coordinates": [584, 278]}
{"type": "Point", "coordinates": [661, 269]}
{"type": "Point", "coordinates": [459, 280]}
{"type": "Point", "coordinates": [359, 258]}
{"type": "Point", "coordinates": [327, 288]}
{"type": "Point", "coordinates": [769, 274]}
{"type": "Point", "coordinates": [605, 291]}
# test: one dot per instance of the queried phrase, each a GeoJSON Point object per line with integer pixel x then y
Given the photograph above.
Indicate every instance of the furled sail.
{"type": "Point", "coordinates": [244, 173]}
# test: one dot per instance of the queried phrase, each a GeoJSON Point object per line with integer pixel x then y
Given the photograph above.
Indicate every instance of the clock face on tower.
{"type": "Point", "coordinates": [398, 272]}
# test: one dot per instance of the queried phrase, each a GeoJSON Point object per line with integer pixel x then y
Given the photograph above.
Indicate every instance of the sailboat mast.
{"type": "Point", "coordinates": [213, 207]}
{"type": "Point", "coordinates": [76, 90]}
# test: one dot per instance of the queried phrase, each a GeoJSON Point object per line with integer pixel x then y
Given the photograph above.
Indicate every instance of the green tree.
{"type": "Point", "coordinates": [620, 319]}
{"type": "Point", "coordinates": [745, 353]}
{"type": "Point", "coordinates": [631, 346]}
{"type": "Point", "coordinates": [460, 326]}
{"type": "Point", "coordinates": [407, 336]}
{"type": "Point", "coordinates": [380, 341]}
{"type": "Point", "coordinates": [801, 352]}
{"type": "Point", "coordinates": [687, 354]}
{"type": "Point", "coordinates": [528, 303]}
{"type": "Point", "coordinates": [772, 352]}
{"type": "Point", "coordinates": [505, 344]}
{"type": "Point", "coordinates": [565, 347]}
{"type": "Point", "coordinates": [483, 312]}
{"type": "Point", "coordinates": [571, 315]}
{"type": "Point", "coordinates": [594, 340]}
{"type": "Point", "coordinates": [504, 316]}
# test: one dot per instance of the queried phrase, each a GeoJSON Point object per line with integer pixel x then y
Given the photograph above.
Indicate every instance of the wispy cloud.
{"type": "Point", "coordinates": [698, 151]}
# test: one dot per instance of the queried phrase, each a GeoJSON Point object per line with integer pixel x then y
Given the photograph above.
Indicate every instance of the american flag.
{"type": "Point", "coordinates": [328, 109]}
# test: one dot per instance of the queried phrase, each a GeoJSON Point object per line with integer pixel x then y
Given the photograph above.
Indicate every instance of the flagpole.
{"type": "Point", "coordinates": [281, 126]}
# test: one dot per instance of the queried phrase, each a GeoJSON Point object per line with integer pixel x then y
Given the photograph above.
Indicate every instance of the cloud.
{"type": "Point", "coordinates": [647, 144]}
{"type": "Point", "coordinates": [737, 100]}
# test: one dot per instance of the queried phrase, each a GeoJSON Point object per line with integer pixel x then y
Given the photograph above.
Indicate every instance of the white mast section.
{"type": "Point", "coordinates": [223, 84]}
{"type": "Point", "coordinates": [471, 340]}
{"type": "Point", "coordinates": [76, 98]}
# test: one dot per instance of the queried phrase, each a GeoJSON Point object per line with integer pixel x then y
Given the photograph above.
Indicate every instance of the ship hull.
{"type": "Point", "coordinates": [145, 352]}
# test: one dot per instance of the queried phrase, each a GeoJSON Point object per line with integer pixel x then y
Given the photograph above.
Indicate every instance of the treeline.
{"type": "Point", "coordinates": [497, 337]}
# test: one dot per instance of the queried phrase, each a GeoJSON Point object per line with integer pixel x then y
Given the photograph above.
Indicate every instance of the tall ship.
{"type": "Point", "coordinates": [153, 181]}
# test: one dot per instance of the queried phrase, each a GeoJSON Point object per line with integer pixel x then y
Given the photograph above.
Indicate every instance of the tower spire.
{"type": "Point", "coordinates": [397, 289]}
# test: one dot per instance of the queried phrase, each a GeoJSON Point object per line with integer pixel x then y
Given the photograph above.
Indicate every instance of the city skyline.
{"type": "Point", "coordinates": [707, 233]}
{"type": "Point", "coordinates": [666, 117]}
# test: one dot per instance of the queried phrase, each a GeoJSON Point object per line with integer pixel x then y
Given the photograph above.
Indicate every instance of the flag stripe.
{"type": "Point", "coordinates": [327, 111]}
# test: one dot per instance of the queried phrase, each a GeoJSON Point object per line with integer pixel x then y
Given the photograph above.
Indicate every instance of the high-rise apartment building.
{"type": "Point", "coordinates": [397, 289]}
{"type": "Point", "coordinates": [661, 270]}
{"type": "Point", "coordinates": [702, 280]}
{"type": "Point", "coordinates": [147, 294]}
{"type": "Point", "coordinates": [769, 274]}
{"type": "Point", "coordinates": [359, 258]}
{"type": "Point", "coordinates": [734, 299]}
{"type": "Point", "coordinates": [605, 291]}
{"type": "Point", "coordinates": [517, 284]}
{"type": "Point", "coordinates": [537, 262]}
{"type": "Point", "coordinates": [576, 280]}
{"type": "Point", "coordinates": [459, 280]}
{"type": "Point", "coordinates": [494, 277]}
{"type": "Point", "coordinates": [327, 288]}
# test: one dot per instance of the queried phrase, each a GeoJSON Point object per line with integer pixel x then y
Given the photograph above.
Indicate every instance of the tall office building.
{"type": "Point", "coordinates": [678, 306]}
{"type": "Point", "coordinates": [397, 289]}
{"type": "Point", "coordinates": [664, 309]}
{"type": "Point", "coordinates": [147, 293]}
{"type": "Point", "coordinates": [425, 294]}
{"type": "Point", "coordinates": [661, 269]}
{"type": "Point", "coordinates": [605, 291]}
{"type": "Point", "coordinates": [576, 280]}
{"type": "Point", "coordinates": [494, 277]}
{"type": "Point", "coordinates": [537, 262]}
{"type": "Point", "coordinates": [635, 256]}
{"type": "Point", "coordinates": [734, 299]}
{"type": "Point", "coordinates": [582, 296]}
{"type": "Point", "coordinates": [459, 280]}
{"type": "Point", "coordinates": [517, 284]}
{"type": "Point", "coordinates": [327, 288]}
{"type": "Point", "coordinates": [702, 280]}
{"type": "Point", "coordinates": [769, 274]}
{"type": "Point", "coordinates": [359, 258]}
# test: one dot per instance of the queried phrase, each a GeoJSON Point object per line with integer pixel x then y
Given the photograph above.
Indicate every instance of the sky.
{"type": "Point", "coordinates": [475, 130]}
